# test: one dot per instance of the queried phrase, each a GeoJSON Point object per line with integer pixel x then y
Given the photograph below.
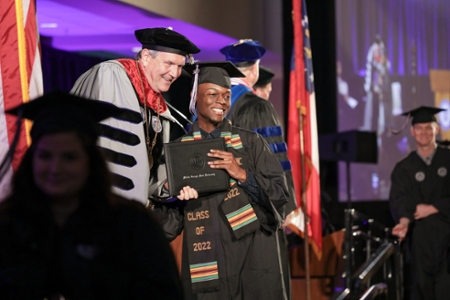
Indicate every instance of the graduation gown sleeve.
{"type": "Point", "coordinates": [273, 192]}
{"type": "Point", "coordinates": [400, 199]}
{"type": "Point", "coordinates": [126, 152]}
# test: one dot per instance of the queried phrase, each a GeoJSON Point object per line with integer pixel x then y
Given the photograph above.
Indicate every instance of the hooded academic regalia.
{"type": "Point", "coordinates": [122, 82]}
{"type": "Point", "coordinates": [252, 112]}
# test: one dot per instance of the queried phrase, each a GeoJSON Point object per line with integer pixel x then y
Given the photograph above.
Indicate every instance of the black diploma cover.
{"type": "Point", "coordinates": [187, 164]}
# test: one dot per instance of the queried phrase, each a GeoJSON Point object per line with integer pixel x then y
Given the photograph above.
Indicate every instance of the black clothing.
{"type": "Point", "coordinates": [414, 182]}
{"type": "Point", "coordinates": [252, 112]}
{"type": "Point", "coordinates": [248, 268]}
{"type": "Point", "coordinates": [119, 254]}
{"type": "Point", "coordinates": [257, 114]}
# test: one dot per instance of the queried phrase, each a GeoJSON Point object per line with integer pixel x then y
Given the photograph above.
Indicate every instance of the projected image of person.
{"type": "Point", "coordinates": [347, 104]}
{"type": "Point", "coordinates": [378, 109]}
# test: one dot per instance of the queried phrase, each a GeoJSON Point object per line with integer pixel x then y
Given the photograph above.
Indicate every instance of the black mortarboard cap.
{"type": "Point", "coordinates": [61, 112]}
{"type": "Point", "coordinates": [165, 40]}
{"type": "Point", "coordinates": [244, 52]}
{"type": "Point", "coordinates": [215, 72]}
{"type": "Point", "coordinates": [211, 72]}
{"type": "Point", "coordinates": [265, 76]}
{"type": "Point", "coordinates": [423, 114]}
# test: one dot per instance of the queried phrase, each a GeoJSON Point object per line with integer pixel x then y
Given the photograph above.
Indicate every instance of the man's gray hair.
{"type": "Point", "coordinates": [153, 53]}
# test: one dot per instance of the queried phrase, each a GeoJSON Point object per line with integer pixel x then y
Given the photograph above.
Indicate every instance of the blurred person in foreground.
{"type": "Point", "coordinates": [420, 203]}
{"type": "Point", "coordinates": [236, 255]}
{"type": "Point", "coordinates": [63, 233]}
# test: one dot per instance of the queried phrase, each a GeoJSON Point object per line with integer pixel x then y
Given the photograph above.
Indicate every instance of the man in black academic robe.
{"type": "Point", "coordinates": [252, 110]}
{"type": "Point", "coordinates": [420, 202]}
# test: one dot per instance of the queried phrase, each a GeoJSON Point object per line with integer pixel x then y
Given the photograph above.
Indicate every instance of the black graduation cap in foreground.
{"type": "Point", "coordinates": [423, 114]}
{"type": "Point", "coordinates": [265, 76]}
{"type": "Point", "coordinates": [211, 72]}
{"type": "Point", "coordinates": [60, 111]}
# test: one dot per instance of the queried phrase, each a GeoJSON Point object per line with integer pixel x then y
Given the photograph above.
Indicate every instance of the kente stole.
{"type": "Point", "coordinates": [199, 228]}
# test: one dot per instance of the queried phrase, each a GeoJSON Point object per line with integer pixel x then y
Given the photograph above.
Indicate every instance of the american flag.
{"type": "Point", "coordinates": [20, 75]}
{"type": "Point", "coordinates": [302, 98]}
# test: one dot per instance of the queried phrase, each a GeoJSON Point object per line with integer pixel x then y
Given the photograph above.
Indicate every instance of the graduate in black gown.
{"type": "Point", "coordinates": [230, 247]}
{"type": "Point", "coordinates": [420, 203]}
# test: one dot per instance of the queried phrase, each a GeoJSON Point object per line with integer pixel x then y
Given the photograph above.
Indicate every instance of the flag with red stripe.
{"type": "Point", "coordinates": [304, 136]}
{"type": "Point", "coordinates": [20, 75]}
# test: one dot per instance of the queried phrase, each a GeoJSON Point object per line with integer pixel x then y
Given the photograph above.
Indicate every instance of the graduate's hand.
{"type": "Point", "coordinates": [188, 193]}
{"type": "Point", "coordinates": [227, 162]}
{"type": "Point", "coordinates": [424, 210]}
{"type": "Point", "coordinates": [401, 229]}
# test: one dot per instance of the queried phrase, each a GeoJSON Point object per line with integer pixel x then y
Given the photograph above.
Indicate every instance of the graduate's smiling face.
{"type": "Point", "coordinates": [162, 69]}
{"type": "Point", "coordinates": [425, 133]}
{"type": "Point", "coordinates": [213, 103]}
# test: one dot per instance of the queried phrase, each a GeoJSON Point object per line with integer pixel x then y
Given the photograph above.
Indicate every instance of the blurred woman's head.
{"type": "Point", "coordinates": [63, 161]}
{"type": "Point", "coordinates": [62, 166]}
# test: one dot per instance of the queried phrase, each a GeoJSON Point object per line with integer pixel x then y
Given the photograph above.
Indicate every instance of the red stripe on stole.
{"type": "Point", "coordinates": [212, 269]}
{"type": "Point", "coordinates": [241, 216]}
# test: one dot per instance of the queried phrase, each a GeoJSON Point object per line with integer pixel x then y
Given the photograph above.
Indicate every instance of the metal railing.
{"type": "Point", "coordinates": [382, 253]}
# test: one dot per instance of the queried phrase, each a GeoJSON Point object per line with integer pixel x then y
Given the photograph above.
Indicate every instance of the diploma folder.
{"type": "Point", "coordinates": [187, 164]}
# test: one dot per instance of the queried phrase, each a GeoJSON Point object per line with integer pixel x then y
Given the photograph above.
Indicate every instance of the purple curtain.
{"type": "Point", "coordinates": [61, 69]}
